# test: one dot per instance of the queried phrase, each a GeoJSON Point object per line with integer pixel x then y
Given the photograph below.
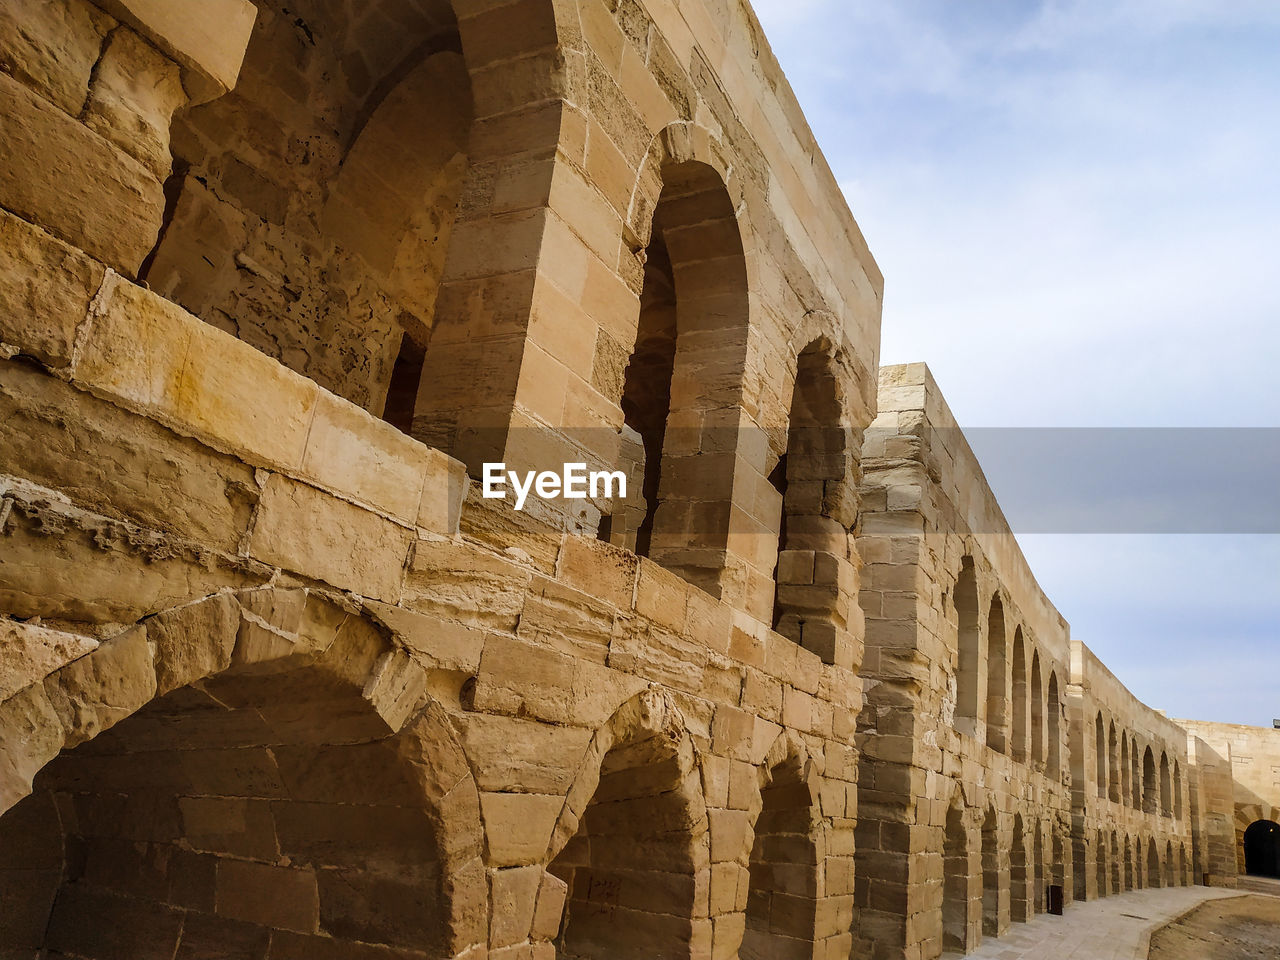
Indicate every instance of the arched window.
{"type": "Point", "coordinates": [956, 934]}
{"type": "Point", "coordinates": [1100, 755]}
{"type": "Point", "coordinates": [684, 377]}
{"type": "Point", "coordinates": [813, 480]}
{"type": "Point", "coordinates": [1150, 787]}
{"type": "Point", "coordinates": [1053, 760]}
{"type": "Point", "coordinates": [969, 650]}
{"type": "Point", "coordinates": [1037, 710]}
{"type": "Point", "coordinates": [1021, 705]}
{"type": "Point", "coordinates": [997, 678]}
{"type": "Point", "coordinates": [1166, 786]}
{"type": "Point", "coordinates": [309, 214]}
{"type": "Point", "coordinates": [1126, 771]}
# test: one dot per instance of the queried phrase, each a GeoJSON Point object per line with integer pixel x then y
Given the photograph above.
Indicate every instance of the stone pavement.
{"type": "Point", "coordinates": [1115, 928]}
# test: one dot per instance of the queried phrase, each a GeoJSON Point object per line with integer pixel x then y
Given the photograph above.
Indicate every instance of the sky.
{"type": "Point", "coordinates": [1076, 207]}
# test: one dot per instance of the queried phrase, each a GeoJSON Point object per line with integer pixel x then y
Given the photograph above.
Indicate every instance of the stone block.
{"type": "Point", "coordinates": [52, 47]}
{"type": "Point", "coordinates": [283, 897]}
{"type": "Point", "coordinates": [57, 173]}
{"type": "Point", "coordinates": [45, 289]}
{"type": "Point", "coordinates": [513, 898]}
{"type": "Point", "coordinates": [29, 653]}
{"type": "Point", "coordinates": [518, 826]}
{"type": "Point", "coordinates": [310, 532]}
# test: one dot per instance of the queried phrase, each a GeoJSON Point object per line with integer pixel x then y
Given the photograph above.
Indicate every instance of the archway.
{"type": "Point", "coordinates": [1150, 788]}
{"type": "Point", "coordinates": [1130, 879]}
{"type": "Point", "coordinates": [955, 883]}
{"type": "Point", "coordinates": [997, 678]}
{"type": "Point", "coordinates": [1037, 710]}
{"type": "Point", "coordinates": [969, 649]}
{"type": "Point", "coordinates": [1154, 878]}
{"type": "Point", "coordinates": [1262, 849]}
{"type": "Point", "coordinates": [1100, 865]}
{"type": "Point", "coordinates": [1053, 755]}
{"type": "Point", "coordinates": [1040, 871]}
{"type": "Point", "coordinates": [1166, 786]}
{"type": "Point", "coordinates": [813, 479]}
{"type": "Point", "coordinates": [638, 849]}
{"type": "Point", "coordinates": [1117, 878]}
{"type": "Point", "coordinates": [310, 209]}
{"type": "Point", "coordinates": [991, 875]}
{"type": "Point", "coordinates": [1100, 755]}
{"type": "Point", "coordinates": [250, 767]}
{"type": "Point", "coordinates": [1018, 687]}
{"type": "Point", "coordinates": [1019, 903]}
{"type": "Point", "coordinates": [680, 387]}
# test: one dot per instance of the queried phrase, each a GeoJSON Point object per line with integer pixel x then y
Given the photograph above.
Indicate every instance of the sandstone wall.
{"type": "Point", "coordinates": [963, 738]}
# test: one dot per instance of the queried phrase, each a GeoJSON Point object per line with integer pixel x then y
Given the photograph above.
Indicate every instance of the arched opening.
{"type": "Point", "coordinates": [1058, 862]}
{"type": "Point", "coordinates": [783, 896]}
{"type": "Point", "coordinates": [813, 478]}
{"type": "Point", "coordinates": [1100, 865]}
{"type": "Point", "coordinates": [632, 868]}
{"type": "Point", "coordinates": [260, 796]}
{"type": "Point", "coordinates": [681, 384]}
{"type": "Point", "coordinates": [1166, 787]}
{"type": "Point", "coordinates": [1130, 880]}
{"type": "Point", "coordinates": [1114, 768]}
{"type": "Point", "coordinates": [1053, 758]}
{"type": "Point", "coordinates": [1138, 800]}
{"type": "Point", "coordinates": [969, 649]}
{"type": "Point", "coordinates": [991, 886]}
{"type": "Point", "coordinates": [1177, 791]}
{"type": "Point", "coordinates": [997, 678]}
{"type": "Point", "coordinates": [1170, 866]}
{"type": "Point", "coordinates": [1040, 871]}
{"type": "Point", "coordinates": [311, 207]}
{"type": "Point", "coordinates": [1019, 903]}
{"type": "Point", "coordinates": [1262, 849]}
{"type": "Point", "coordinates": [1117, 878]}
{"type": "Point", "coordinates": [1153, 864]}
{"type": "Point", "coordinates": [1126, 789]}
{"type": "Point", "coordinates": [1100, 755]}
{"type": "Point", "coordinates": [1021, 709]}
{"type": "Point", "coordinates": [955, 884]}
{"type": "Point", "coordinates": [1150, 794]}
{"type": "Point", "coordinates": [1183, 879]}
{"type": "Point", "coordinates": [1037, 710]}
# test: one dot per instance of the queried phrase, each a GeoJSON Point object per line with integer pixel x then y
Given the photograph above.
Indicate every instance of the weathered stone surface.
{"type": "Point", "coordinates": [135, 91]}
{"type": "Point", "coordinates": [45, 288]}
{"type": "Point", "coordinates": [29, 653]}
{"type": "Point", "coordinates": [88, 192]}
{"type": "Point", "coordinates": [52, 47]}
{"type": "Point", "coordinates": [303, 529]}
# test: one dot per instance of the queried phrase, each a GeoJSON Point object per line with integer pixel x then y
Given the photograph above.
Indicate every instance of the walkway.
{"type": "Point", "coordinates": [1114, 928]}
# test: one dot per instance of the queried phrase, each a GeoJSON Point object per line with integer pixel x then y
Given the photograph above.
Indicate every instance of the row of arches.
{"type": "Point", "coordinates": [1128, 773]}
{"type": "Point", "coordinates": [284, 776]}
{"type": "Point", "coordinates": [351, 209]}
{"type": "Point", "coordinates": [1124, 862]}
{"type": "Point", "coordinates": [1006, 694]}
{"type": "Point", "coordinates": [997, 869]}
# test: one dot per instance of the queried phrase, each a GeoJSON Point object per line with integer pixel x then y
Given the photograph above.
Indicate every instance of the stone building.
{"type": "Point", "coordinates": [276, 281]}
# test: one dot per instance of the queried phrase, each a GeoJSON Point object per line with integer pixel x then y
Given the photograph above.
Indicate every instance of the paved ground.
{"type": "Point", "coordinates": [1114, 928]}
{"type": "Point", "coordinates": [1242, 928]}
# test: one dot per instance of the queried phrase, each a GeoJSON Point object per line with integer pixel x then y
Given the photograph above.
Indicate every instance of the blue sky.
{"type": "Point", "coordinates": [1076, 206]}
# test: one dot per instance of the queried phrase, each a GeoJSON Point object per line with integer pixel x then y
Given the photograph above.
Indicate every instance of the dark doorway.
{"type": "Point", "coordinates": [1262, 849]}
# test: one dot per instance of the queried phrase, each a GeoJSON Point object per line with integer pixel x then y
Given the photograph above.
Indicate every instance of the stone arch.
{"type": "Point", "coordinates": [968, 649]}
{"type": "Point", "coordinates": [1130, 878]}
{"type": "Point", "coordinates": [816, 478]}
{"type": "Point", "coordinates": [787, 859]}
{"type": "Point", "coordinates": [630, 846]}
{"type": "Point", "coordinates": [1100, 754]}
{"type": "Point", "coordinates": [1170, 867]}
{"type": "Point", "coordinates": [997, 677]}
{"type": "Point", "coordinates": [1126, 788]}
{"type": "Point", "coordinates": [1021, 704]}
{"type": "Point", "coordinates": [1115, 777]}
{"type": "Point", "coordinates": [1053, 729]}
{"type": "Point", "coordinates": [1150, 788]}
{"type": "Point", "coordinates": [1117, 866]}
{"type": "Point", "coordinates": [311, 208]}
{"type": "Point", "coordinates": [681, 390]}
{"type": "Point", "coordinates": [994, 891]}
{"type": "Point", "coordinates": [1101, 851]}
{"type": "Point", "coordinates": [276, 742]}
{"type": "Point", "coordinates": [1154, 877]}
{"type": "Point", "coordinates": [1177, 791]}
{"type": "Point", "coordinates": [1020, 901]}
{"type": "Point", "coordinates": [958, 934]}
{"type": "Point", "coordinates": [1037, 709]}
{"type": "Point", "coordinates": [1166, 786]}
{"type": "Point", "coordinates": [1258, 851]}
{"type": "Point", "coordinates": [1138, 801]}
